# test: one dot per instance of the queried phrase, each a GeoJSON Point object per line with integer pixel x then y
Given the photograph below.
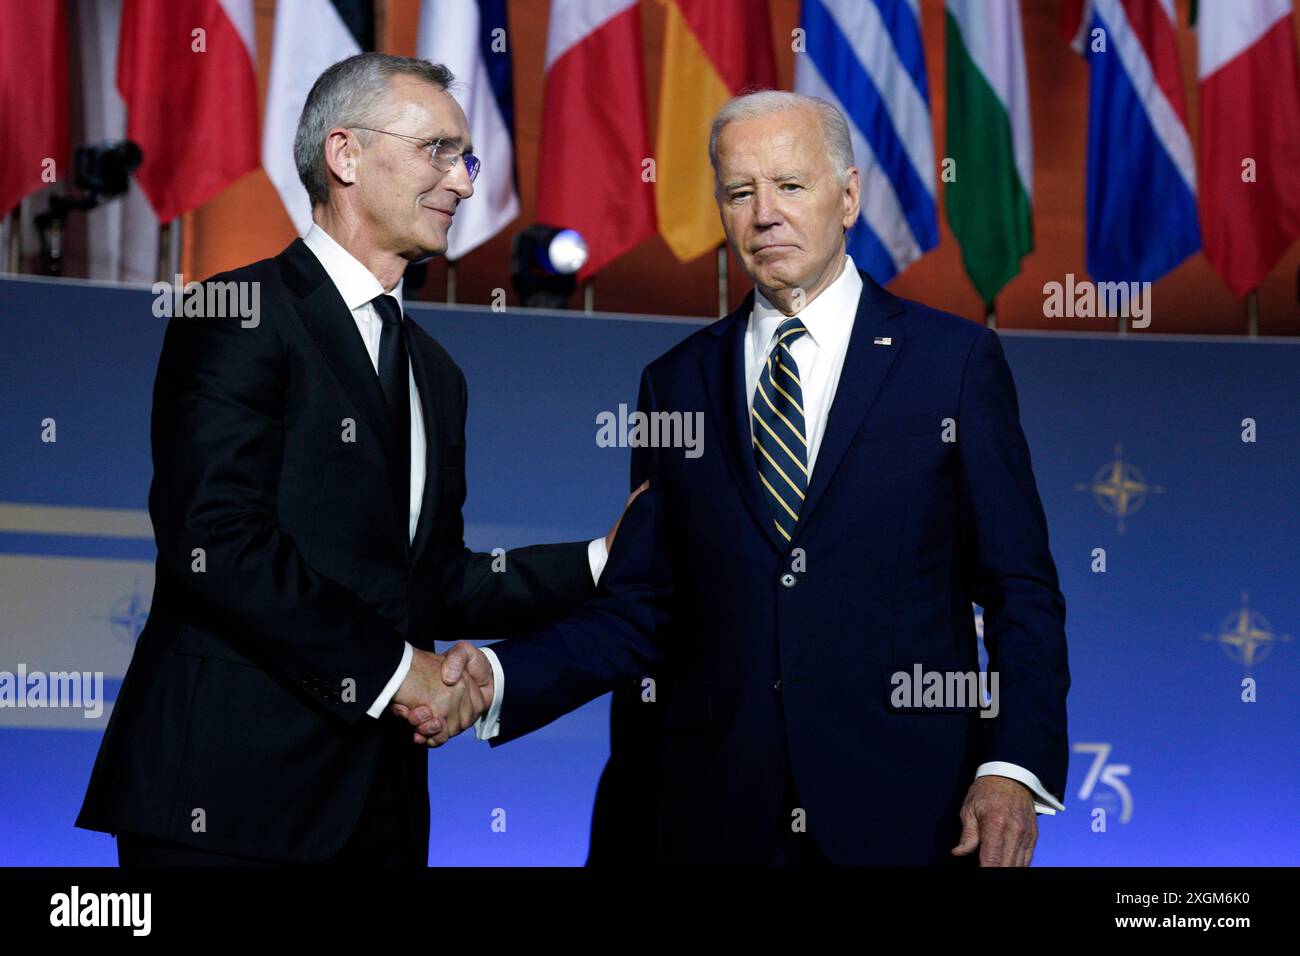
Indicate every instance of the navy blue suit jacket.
{"type": "Point", "coordinates": [775, 657]}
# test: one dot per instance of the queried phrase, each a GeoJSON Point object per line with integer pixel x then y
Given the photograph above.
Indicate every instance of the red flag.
{"type": "Point", "coordinates": [185, 70]}
{"type": "Point", "coordinates": [33, 99]}
{"type": "Point", "coordinates": [1250, 137]}
{"type": "Point", "coordinates": [1070, 25]}
{"type": "Point", "coordinates": [595, 135]}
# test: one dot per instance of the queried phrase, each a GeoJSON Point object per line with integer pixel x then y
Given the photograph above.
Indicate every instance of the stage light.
{"type": "Point", "coordinates": [544, 261]}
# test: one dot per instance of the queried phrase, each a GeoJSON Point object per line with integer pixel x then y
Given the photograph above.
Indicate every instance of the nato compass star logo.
{"type": "Point", "coordinates": [128, 616]}
{"type": "Point", "coordinates": [1119, 488]}
{"type": "Point", "coordinates": [1246, 636]}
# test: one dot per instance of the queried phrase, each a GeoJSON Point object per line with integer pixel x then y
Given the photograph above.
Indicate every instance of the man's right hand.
{"type": "Point", "coordinates": [463, 665]}
{"type": "Point", "coordinates": [448, 699]}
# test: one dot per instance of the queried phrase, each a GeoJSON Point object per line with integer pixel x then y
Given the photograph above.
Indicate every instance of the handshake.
{"type": "Point", "coordinates": [443, 695]}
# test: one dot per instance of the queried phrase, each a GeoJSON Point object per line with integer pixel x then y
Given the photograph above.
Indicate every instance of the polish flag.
{"type": "Point", "coordinates": [1249, 154]}
{"type": "Point", "coordinates": [592, 175]}
{"type": "Point", "coordinates": [185, 69]}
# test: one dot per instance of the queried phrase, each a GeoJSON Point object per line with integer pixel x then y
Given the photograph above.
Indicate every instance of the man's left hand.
{"type": "Point", "coordinates": [998, 816]}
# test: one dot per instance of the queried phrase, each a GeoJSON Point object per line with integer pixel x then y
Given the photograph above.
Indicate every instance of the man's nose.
{"type": "Point", "coordinates": [767, 208]}
{"type": "Point", "coordinates": [457, 180]}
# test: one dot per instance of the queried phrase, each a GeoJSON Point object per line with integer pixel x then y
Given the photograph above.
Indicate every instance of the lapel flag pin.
{"type": "Point", "coordinates": [883, 340]}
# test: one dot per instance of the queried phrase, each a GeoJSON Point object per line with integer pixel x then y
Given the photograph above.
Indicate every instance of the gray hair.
{"type": "Point", "coordinates": [835, 129]}
{"type": "Point", "coordinates": [352, 92]}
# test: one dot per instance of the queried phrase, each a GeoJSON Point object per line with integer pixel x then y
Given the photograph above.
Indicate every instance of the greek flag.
{"type": "Point", "coordinates": [866, 57]}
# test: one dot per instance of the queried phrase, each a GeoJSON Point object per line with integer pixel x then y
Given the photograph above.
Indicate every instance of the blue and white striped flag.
{"type": "Point", "coordinates": [866, 57]}
{"type": "Point", "coordinates": [469, 37]}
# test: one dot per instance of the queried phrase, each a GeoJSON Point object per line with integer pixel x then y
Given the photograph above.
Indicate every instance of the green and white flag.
{"type": "Point", "coordinates": [989, 192]}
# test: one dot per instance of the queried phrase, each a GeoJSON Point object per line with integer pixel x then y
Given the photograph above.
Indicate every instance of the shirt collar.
{"type": "Point", "coordinates": [828, 318]}
{"type": "Point", "coordinates": [356, 284]}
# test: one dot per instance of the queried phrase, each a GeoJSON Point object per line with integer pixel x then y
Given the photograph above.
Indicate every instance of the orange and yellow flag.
{"type": "Point", "coordinates": [713, 50]}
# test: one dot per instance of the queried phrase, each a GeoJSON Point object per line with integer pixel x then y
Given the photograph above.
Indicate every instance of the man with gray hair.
{"type": "Point", "coordinates": [869, 481]}
{"type": "Point", "coordinates": [309, 473]}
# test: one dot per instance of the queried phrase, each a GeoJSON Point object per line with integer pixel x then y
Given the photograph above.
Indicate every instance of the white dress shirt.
{"type": "Point", "coordinates": [820, 356]}
{"type": "Point", "coordinates": [358, 287]}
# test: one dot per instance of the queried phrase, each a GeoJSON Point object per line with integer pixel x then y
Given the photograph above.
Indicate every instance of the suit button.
{"type": "Point", "coordinates": [788, 579]}
{"type": "Point", "coordinates": [777, 686]}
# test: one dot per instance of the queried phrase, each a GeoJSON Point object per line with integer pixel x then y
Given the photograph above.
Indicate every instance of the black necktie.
{"type": "Point", "coordinates": [393, 378]}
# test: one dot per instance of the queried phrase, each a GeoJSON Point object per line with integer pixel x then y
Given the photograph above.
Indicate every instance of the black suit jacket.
{"type": "Point", "coordinates": [286, 582]}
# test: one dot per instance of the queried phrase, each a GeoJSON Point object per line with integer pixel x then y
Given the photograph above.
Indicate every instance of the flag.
{"type": "Point", "coordinates": [469, 38]}
{"type": "Point", "coordinates": [310, 36]}
{"type": "Point", "coordinates": [592, 175]}
{"type": "Point", "coordinates": [1249, 152]}
{"type": "Point", "coordinates": [867, 58]}
{"type": "Point", "coordinates": [1141, 197]}
{"type": "Point", "coordinates": [33, 99]}
{"type": "Point", "coordinates": [185, 69]}
{"type": "Point", "coordinates": [990, 201]}
{"type": "Point", "coordinates": [708, 57]}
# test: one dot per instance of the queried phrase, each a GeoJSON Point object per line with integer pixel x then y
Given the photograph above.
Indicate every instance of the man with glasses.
{"type": "Point", "coordinates": [309, 473]}
{"type": "Point", "coordinates": [802, 590]}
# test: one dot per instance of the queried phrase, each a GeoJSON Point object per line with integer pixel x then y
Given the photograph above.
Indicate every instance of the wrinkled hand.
{"type": "Point", "coordinates": [464, 665]}
{"type": "Point", "coordinates": [998, 816]}
{"type": "Point", "coordinates": [609, 538]}
{"type": "Point", "coordinates": [454, 704]}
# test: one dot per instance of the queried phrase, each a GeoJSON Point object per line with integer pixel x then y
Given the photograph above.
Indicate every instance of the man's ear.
{"type": "Point", "coordinates": [342, 154]}
{"type": "Point", "coordinates": [852, 197]}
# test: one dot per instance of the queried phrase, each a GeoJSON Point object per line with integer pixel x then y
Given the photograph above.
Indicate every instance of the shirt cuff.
{"type": "Point", "coordinates": [489, 725]}
{"type": "Point", "coordinates": [1044, 802]}
{"type": "Point", "coordinates": [385, 695]}
{"type": "Point", "coordinates": [597, 555]}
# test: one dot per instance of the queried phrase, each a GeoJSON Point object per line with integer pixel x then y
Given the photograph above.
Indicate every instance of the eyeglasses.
{"type": "Point", "coordinates": [444, 156]}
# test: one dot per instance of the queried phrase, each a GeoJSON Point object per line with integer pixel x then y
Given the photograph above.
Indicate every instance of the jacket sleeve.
{"type": "Point", "coordinates": [1011, 573]}
{"type": "Point", "coordinates": [485, 595]}
{"type": "Point", "coordinates": [612, 640]}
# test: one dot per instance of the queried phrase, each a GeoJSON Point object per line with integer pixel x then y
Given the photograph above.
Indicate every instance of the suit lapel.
{"type": "Point", "coordinates": [424, 384]}
{"type": "Point", "coordinates": [723, 367]}
{"type": "Point", "coordinates": [865, 366]}
{"type": "Point", "coordinates": [331, 325]}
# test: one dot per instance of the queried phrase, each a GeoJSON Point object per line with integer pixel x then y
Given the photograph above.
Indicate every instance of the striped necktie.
{"type": "Point", "coordinates": [780, 437]}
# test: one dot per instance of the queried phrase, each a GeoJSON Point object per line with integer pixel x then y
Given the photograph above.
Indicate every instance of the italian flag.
{"type": "Point", "coordinates": [1249, 160]}
{"type": "Point", "coordinates": [989, 188]}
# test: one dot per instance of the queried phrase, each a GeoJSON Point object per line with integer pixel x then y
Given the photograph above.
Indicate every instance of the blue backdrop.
{"type": "Point", "coordinates": [1137, 446]}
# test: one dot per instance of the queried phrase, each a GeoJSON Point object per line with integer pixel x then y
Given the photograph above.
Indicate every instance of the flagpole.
{"type": "Point", "coordinates": [723, 297]}
{"type": "Point", "coordinates": [164, 251]}
{"type": "Point", "coordinates": [1252, 313]}
{"type": "Point", "coordinates": [991, 313]}
{"type": "Point", "coordinates": [451, 282]}
{"type": "Point", "coordinates": [177, 250]}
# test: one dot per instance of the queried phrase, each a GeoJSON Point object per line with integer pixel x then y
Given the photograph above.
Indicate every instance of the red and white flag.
{"type": "Point", "coordinates": [186, 71]}
{"type": "Point", "coordinates": [593, 175]}
{"type": "Point", "coordinates": [1249, 159]}
{"type": "Point", "coordinates": [33, 99]}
